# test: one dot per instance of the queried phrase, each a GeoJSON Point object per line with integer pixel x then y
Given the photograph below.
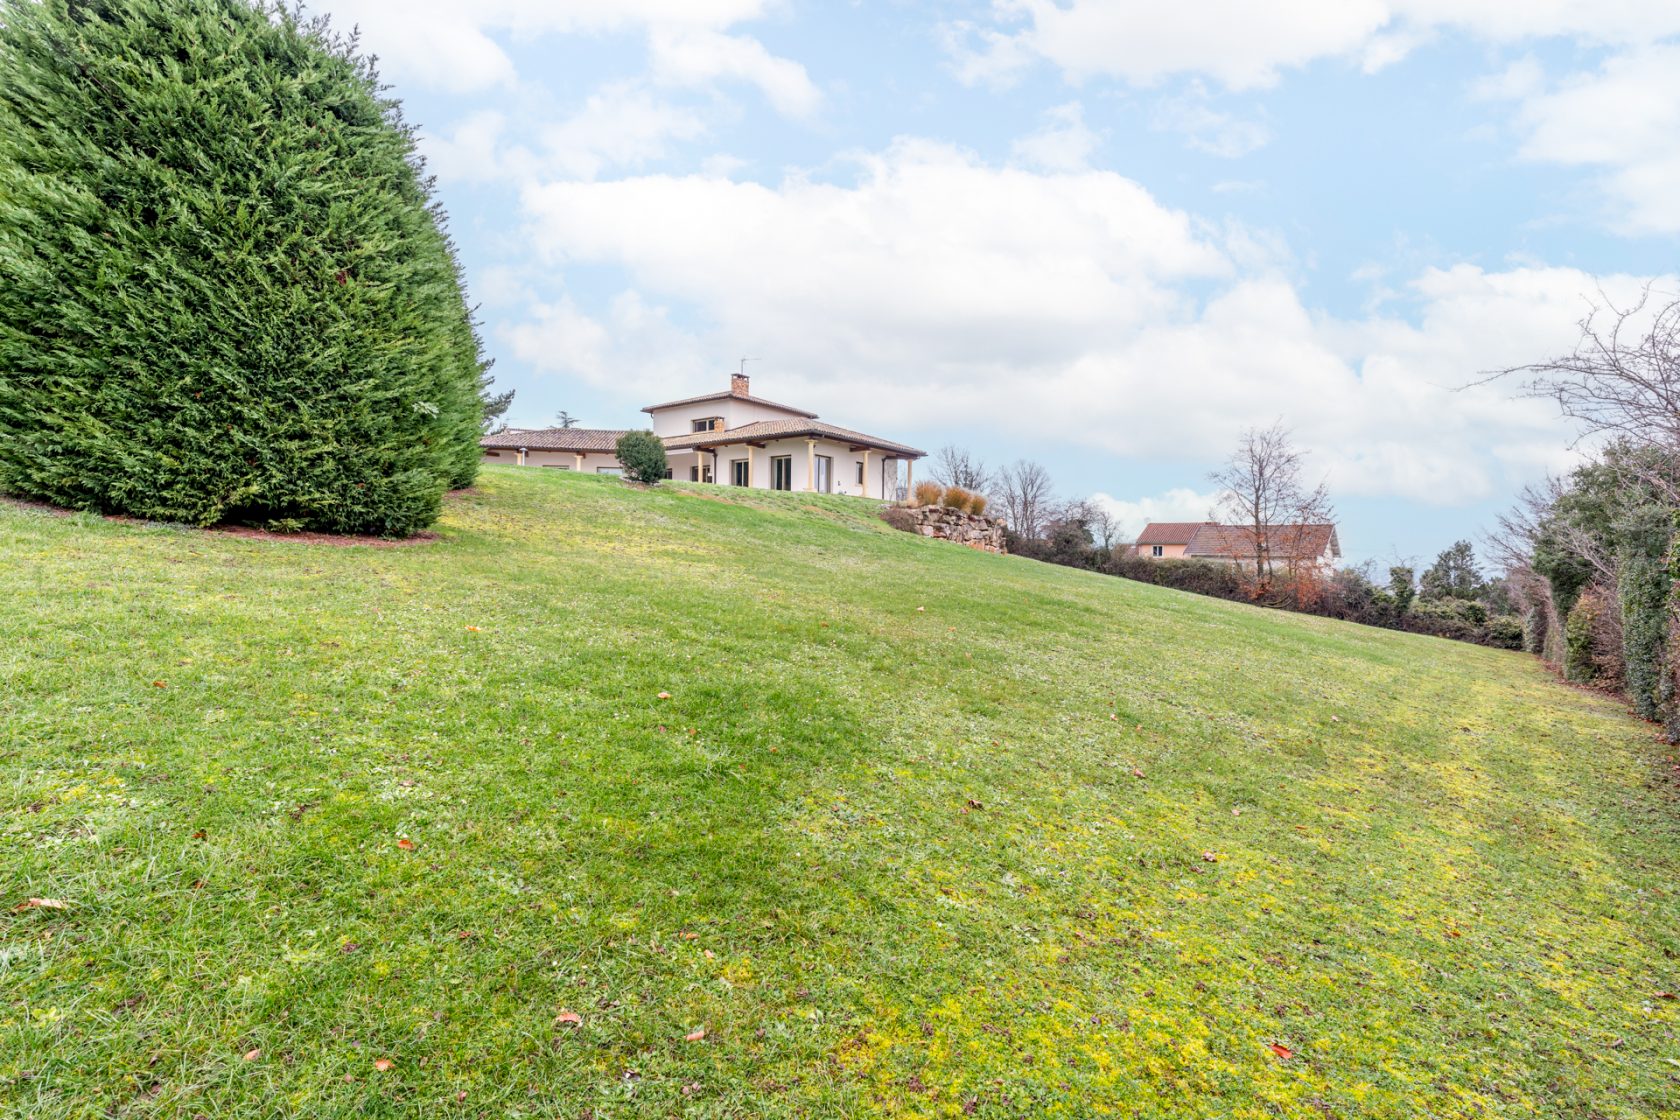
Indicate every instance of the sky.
{"type": "Point", "coordinates": [1105, 236]}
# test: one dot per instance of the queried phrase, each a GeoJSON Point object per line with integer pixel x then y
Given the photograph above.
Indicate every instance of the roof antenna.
{"type": "Point", "coordinates": [744, 362]}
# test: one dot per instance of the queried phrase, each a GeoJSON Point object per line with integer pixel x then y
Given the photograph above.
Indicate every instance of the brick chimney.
{"type": "Point", "coordinates": [738, 384]}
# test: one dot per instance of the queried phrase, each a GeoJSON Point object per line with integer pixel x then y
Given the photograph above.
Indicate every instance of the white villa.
{"type": "Point", "coordinates": [730, 437]}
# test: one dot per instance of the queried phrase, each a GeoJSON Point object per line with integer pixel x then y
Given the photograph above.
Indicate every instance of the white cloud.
{"type": "Point", "coordinates": [454, 46]}
{"type": "Point", "coordinates": [1207, 129]}
{"type": "Point", "coordinates": [1245, 45]}
{"type": "Point", "coordinates": [937, 292]}
{"type": "Point", "coordinates": [1181, 504]}
{"type": "Point", "coordinates": [1623, 118]}
{"type": "Point", "coordinates": [697, 57]}
{"type": "Point", "coordinates": [1063, 143]}
{"type": "Point", "coordinates": [620, 126]}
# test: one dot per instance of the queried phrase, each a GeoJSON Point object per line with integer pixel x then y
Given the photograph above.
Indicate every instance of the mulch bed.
{"type": "Point", "coordinates": [248, 532]}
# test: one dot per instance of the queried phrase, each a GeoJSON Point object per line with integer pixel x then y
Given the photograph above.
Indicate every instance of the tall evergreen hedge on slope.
{"type": "Point", "coordinates": [226, 293]}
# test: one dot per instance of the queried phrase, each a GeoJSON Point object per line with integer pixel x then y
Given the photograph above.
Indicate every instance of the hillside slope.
{"type": "Point", "coordinates": [918, 831]}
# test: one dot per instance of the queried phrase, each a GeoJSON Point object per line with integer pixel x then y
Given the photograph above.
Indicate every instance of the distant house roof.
{"type": "Point", "coordinates": [731, 395]}
{"type": "Point", "coordinates": [1169, 532]}
{"type": "Point", "coordinates": [554, 439]}
{"type": "Point", "coordinates": [1283, 542]}
{"type": "Point", "coordinates": [813, 428]}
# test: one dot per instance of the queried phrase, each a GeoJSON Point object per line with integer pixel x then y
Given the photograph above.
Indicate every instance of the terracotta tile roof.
{"type": "Point", "coordinates": [731, 395]}
{"type": "Point", "coordinates": [765, 430]}
{"type": "Point", "coordinates": [1170, 532]}
{"type": "Point", "coordinates": [555, 439]}
{"type": "Point", "coordinates": [1283, 542]}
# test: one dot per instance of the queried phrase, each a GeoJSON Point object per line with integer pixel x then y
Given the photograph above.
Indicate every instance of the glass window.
{"type": "Point", "coordinates": [825, 474]}
{"type": "Point", "coordinates": [781, 472]}
{"type": "Point", "coordinates": [860, 472]}
{"type": "Point", "coordinates": [709, 424]}
{"type": "Point", "coordinates": [1155, 550]}
{"type": "Point", "coordinates": [740, 472]}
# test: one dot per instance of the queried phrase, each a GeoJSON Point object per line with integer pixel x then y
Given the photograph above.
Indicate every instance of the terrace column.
{"type": "Point", "coordinates": [811, 465]}
{"type": "Point", "coordinates": [909, 476]}
{"type": "Point", "coordinates": [579, 457]}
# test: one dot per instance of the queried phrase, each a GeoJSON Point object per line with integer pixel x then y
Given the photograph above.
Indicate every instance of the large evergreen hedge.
{"type": "Point", "coordinates": [226, 294]}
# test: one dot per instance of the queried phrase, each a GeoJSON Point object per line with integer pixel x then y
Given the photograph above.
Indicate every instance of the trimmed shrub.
{"type": "Point", "coordinates": [226, 294]}
{"type": "Point", "coordinates": [955, 497]}
{"type": "Point", "coordinates": [977, 504]}
{"type": "Point", "coordinates": [1591, 642]}
{"type": "Point", "coordinates": [643, 456]}
{"type": "Point", "coordinates": [899, 518]}
{"type": "Point", "coordinates": [927, 494]}
{"type": "Point", "coordinates": [1642, 591]}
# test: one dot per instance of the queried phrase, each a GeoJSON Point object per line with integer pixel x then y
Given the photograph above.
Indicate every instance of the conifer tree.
{"type": "Point", "coordinates": [226, 291]}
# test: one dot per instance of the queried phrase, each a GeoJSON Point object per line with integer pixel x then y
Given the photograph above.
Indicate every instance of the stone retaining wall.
{"type": "Point", "coordinates": [946, 524]}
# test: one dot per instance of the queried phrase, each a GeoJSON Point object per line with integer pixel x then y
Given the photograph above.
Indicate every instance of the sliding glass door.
{"type": "Point", "coordinates": [781, 472]}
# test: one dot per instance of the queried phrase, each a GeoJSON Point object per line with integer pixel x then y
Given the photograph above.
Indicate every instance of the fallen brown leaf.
{"type": "Point", "coordinates": [252, 1055]}
{"type": "Point", "coordinates": [1281, 1050]}
{"type": "Point", "coordinates": [383, 1064]}
{"type": "Point", "coordinates": [40, 904]}
{"type": "Point", "coordinates": [571, 1017]}
{"type": "Point", "coordinates": [406, 844]}
{"type": "Point", "coordinates": [695, 1036]}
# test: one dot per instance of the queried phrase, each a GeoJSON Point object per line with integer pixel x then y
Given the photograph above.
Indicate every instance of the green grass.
{"type": "Point", "coordinates": [918, 832]}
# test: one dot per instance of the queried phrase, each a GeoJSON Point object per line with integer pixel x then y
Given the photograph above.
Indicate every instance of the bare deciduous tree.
{"type": "Point", "coordinates": [1261, 488]}
{"type": "Point", "coordinates": [1026, 493]}
{"type": "Point", "coordinates": [954, 466]}
{"type": "Point", "coordinates": [1105, 527]}
{"type": "Point", "coordinates": [1622, 379]}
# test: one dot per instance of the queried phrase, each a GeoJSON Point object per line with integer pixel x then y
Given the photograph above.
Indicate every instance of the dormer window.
{"type": "Point", "coordinates": [709, 424]}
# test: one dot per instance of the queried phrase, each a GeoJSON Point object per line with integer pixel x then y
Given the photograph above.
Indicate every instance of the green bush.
{"type": "Point", "coordinates": [1643, 590]}
{"type": "Point", "coordinates": [225, 289]}
{"type": "Point", "coordinates": [643, 457]}
{"type": "Point", "coordinates": [1591, 646]}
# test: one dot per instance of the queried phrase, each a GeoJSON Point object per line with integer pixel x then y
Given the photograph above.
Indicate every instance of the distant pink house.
{"type": "Point", "coordinates": [1292, 545]}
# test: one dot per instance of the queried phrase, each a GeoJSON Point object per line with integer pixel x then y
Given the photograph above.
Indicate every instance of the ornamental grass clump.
{"type": "Point", "coordinates": [955, 497]}
{"type": "Point", "coordinates": [977, 504]}
{"type": "Point", "coordinates": [927, 494]}
{"type": "Point", "coordinates": [226, 293]}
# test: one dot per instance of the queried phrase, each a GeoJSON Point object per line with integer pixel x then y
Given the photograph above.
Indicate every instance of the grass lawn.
{"type": "Point", "coordinates": [410, 831]}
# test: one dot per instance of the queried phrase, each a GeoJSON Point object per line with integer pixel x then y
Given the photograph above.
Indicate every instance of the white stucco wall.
{"type": "Point", "coordinates": [565, 460]}
{"type": "Point", "coordinates": [735, 413]}
{"type": "Point", "coordinates": [846, 463]}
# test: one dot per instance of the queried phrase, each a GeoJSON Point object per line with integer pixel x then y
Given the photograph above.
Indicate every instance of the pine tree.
{"type": "Point", "coordinates": [226, 293]}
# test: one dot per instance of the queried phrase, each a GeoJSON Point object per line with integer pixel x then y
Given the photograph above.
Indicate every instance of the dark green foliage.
{"type": "Point", "coordinates": [1534, 630]}
{"type": "Point", "coordinates": [643, 456]}
{"type": "Point", "coordinates": [1643, 587]}
{"type": "Point", "coordinates": [1401, 587]}
{"type": "Point", "coordinates": [1591, 653]}
{"type": "Point", "coordinates": [1567, 572]}
{"type": "Point", "coordinates": [225, 289]}
{"type": "Point", "coordinates": [1454, 575]}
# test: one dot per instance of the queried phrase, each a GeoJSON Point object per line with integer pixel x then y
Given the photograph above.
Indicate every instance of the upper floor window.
{"type": "Point", "coordinates": [709, 424]}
